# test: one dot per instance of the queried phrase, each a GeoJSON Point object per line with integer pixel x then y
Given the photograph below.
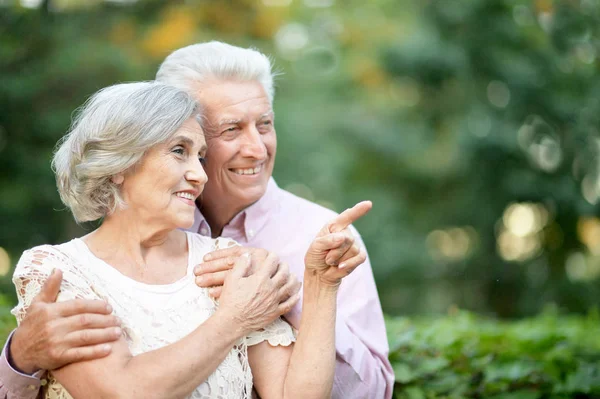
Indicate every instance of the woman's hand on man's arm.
{"type": "Point", "coordinates": [53, 335]}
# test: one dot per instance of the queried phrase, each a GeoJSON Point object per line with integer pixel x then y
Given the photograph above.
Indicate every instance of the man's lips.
{"type": "Point", "coordinates": [247, 171]}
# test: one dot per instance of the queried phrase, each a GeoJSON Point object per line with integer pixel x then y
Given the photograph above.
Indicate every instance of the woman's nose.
{"type": "Point", "coordinates": [196, 173]}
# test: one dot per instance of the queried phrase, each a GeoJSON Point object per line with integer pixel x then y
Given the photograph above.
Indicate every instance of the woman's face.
{"type": "Point", "coordinates": [163, 188]}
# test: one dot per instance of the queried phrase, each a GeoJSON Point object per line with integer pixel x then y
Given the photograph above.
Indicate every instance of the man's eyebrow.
{"type": "Point", "coordinates": [267, 114]}
{"type": "Point", "coordinates": [229, 122]}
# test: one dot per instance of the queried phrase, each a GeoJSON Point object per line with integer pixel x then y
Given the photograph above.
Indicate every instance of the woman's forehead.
{"type": "Point", "coordinates": [191, 132]}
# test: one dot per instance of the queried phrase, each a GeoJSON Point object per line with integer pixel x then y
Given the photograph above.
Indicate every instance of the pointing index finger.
{"type": "Point", "coordinates": [349, 216]}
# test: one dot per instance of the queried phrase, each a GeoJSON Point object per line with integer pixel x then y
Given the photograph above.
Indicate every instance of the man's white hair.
{"type": "Point", "coordinates": [110, 135]}
{"type": "Point", "coordinates": [216, 60]}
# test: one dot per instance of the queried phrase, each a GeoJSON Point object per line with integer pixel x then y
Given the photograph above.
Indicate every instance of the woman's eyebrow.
{"type": "Point", "coordinates": [187, 141]}
{"type": "Point", "coordinates": [182, 139]}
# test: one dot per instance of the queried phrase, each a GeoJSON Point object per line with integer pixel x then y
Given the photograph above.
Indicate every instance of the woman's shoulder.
{"type": "Point", "coordinates": [47, 257]}
{"type": "Point", "coordinates": [200, 245]}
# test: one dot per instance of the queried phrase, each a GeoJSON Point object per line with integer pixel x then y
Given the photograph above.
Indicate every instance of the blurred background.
{"type": "Point", "coordinates": [473, 125]}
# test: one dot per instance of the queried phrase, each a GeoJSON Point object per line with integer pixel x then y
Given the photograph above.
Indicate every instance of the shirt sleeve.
{"type": "Point", "coordinates": [277, 333]}
{"type": "Point", "coordinates": [362, 366]}
{"type": "Point", "coordinates": [16, 385]}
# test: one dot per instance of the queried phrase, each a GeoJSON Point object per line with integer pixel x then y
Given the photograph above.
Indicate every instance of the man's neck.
{"type": "Point", "coordinates": [219, 214]}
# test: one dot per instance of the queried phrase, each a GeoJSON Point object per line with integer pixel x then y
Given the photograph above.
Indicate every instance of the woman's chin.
{"type": "Point", "coordinates": [185, 224]}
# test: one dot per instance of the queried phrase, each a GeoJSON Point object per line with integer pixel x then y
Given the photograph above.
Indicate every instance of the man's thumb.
{"type": "Point", "coordinates": [51, 287]}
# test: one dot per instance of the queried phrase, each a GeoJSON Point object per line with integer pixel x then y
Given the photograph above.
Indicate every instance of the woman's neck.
{"type": "Point", "coordinates": [141, 251]}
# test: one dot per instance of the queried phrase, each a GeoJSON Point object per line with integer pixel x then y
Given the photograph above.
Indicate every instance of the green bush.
{"type": "Point", "coordinates": [7, 320]}
{"type": "Point", "coordinates": [468, 356]}
{"type": "Point", "coordinates": [463, 355]}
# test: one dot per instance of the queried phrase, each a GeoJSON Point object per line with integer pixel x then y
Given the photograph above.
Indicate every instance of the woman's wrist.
{"type": "Point", "coordinates": [315, 284]}
{"type": "Point", "coordinates": [319, 282]}
{"type": "Point", "coordinates": [230, 324]}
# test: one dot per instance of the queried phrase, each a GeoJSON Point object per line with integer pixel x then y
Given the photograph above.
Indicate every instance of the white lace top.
{"type": "Point", "coordinates": [152, 315]}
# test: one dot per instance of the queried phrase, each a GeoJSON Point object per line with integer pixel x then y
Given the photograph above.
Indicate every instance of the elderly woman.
{"type": "Point", "coordinates": [134, 159]}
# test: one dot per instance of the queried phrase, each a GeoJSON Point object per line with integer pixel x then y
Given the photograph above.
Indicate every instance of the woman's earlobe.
{"type": "Point", "coordinates": [118, 179]}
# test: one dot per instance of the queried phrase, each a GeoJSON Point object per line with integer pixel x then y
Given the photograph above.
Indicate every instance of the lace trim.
{"type": "Point", "coordinates": [278, 333]}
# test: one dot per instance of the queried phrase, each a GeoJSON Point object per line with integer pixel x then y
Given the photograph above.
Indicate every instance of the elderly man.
{"type": "Point", "coordinates": [242, 201]}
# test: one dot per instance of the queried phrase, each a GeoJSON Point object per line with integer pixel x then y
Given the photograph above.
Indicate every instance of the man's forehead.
{"type": "Point", "coordinates": [219, 94]}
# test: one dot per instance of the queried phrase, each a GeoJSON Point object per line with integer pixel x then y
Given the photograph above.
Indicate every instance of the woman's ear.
{"type": "Point", "coordinates": [118, 179]}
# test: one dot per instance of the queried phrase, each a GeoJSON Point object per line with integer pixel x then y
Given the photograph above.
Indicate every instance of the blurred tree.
{"type": "Point", "coordinates": [473, 125]}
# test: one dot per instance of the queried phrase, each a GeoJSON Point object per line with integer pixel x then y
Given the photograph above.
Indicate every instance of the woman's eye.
{"type": "Point", "coordinates": [202, 160]}
{"type": "Point", "coordinates": [179, 150]}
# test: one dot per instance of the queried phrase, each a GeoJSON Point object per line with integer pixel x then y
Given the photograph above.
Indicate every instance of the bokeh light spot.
{"type": "Point", "coordinates": [498, 94]}
{"type": "Point", "coordinates": [4, 262]}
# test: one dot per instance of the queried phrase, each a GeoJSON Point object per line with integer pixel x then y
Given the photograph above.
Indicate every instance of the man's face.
{"type": "Point", "coordinates": [241, 139]}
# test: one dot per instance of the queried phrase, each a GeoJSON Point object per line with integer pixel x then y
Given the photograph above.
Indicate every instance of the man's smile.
{"type": "Point", "coordinates": [247, 171]}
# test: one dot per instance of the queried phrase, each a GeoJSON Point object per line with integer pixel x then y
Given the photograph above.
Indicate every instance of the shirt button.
{"type": "Point", "coordinates": [203, 231]}
{"type": "Point", "coordinates": [250, 233]}
{"type": "Point", "coordinates": [43, 382]}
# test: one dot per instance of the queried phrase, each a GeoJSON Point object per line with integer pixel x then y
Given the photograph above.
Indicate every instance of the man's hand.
{"type": "Point", "coordinates": [217, 264]}
{"type": "Point", "coordinates": [53, 335]}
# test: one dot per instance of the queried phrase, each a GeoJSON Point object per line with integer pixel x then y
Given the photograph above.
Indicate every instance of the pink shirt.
{"type": "Point", "coordinates": [286, 224]}
{"type": "Point", "coordinates": [16, 385]}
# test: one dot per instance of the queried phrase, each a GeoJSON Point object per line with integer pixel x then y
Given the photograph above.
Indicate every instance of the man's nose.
{"type": "Point", "coordinates": [253, 145]}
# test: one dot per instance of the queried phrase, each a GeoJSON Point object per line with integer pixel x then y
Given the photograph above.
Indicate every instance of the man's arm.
{"type": "Point", "coordinates": [53, 335]}
{"type": "Point", "coordinates": [14, 384]}
{"type": "Point", "coordinates": [362, 366]}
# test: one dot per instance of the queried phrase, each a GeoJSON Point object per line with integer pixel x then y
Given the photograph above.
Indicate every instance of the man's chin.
{"type": "Point", "coordinates": [250, 195]}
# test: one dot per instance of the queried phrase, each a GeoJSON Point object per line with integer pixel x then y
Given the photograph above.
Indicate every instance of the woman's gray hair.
{"type": "Point", "coordinates": [216, 60]}
{"type": "Point", "coordinates": [110, 134]}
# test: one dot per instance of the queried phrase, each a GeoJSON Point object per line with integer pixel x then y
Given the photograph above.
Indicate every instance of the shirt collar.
{"type": "Point", "coordinates": [249, 221]}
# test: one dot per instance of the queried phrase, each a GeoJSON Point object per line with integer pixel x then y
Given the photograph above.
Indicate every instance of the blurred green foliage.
{"type": "Point", "coordinates": [473, 125]}
{"type": "Point", "coordinates": [467, 356]}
